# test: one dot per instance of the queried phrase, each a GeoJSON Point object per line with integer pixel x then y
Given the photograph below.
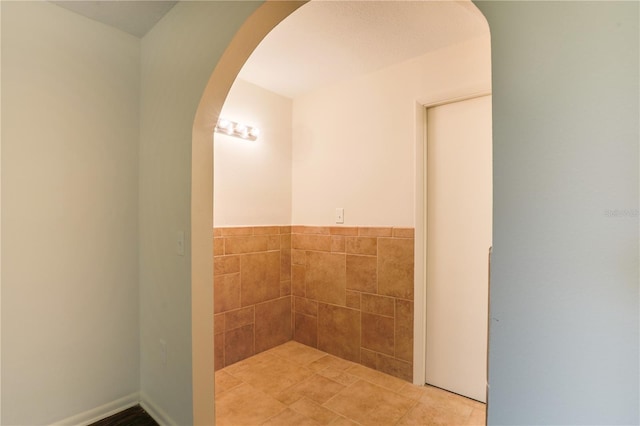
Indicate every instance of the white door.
{"type": "Point", "coordinates": [459, 214]}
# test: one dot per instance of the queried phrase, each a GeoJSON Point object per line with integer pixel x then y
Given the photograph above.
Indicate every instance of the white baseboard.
{"type": "Point", "coordinates": [99, 413]}
{"type": "Point", "coordinates": [158, 414]}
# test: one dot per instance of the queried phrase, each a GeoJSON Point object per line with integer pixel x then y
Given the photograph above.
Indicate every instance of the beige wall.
{"type": "Point", "coordinates": [564, 291]}
{"type": "Point", "coordinates": [252, 179]}
{"type": "Point", "coordinates": [354, 142]}
{"type": "Point", "coordinates": [178, 56]}
{"type": "Point", "coordinates": [69, 214]}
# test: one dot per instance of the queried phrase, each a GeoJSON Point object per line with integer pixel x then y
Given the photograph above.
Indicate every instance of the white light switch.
{"type": "Point", "coordinates": [180, 244]}
{"type": "Point", "coordinates": [339, 215]}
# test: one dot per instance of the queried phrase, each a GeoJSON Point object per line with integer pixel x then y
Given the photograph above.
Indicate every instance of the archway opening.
{"type": "Point", "coordinates": [431, 91]}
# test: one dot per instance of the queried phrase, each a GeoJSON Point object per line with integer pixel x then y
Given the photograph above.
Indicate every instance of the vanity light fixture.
{"type": "Point", "coordinates": [238, 130]}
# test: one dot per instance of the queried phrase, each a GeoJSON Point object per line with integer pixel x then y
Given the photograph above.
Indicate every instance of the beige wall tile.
{"type": "Point", "coordinates": [285, 288]}
{"type": "Point", "coordinates": [285, 241]}
{"type": "Point", "coordinates": [226, 292]}
{"type": "Point", "coordinates": [218, 352]}
{"type": "Point", "coordinates": [353, 299]}
{"type": "Point", "coordinates": [236, 230]}
{"type": "Point", "coordinates": [306, 306]}
{"type": "Point", "coordinates": [273, 242]}
{"type": "Point", "coordinates": [380, 305]}
{"type": "Point", "coordinates": [245, 244]}
{"type": "Point", "coordinates": [306, 329]}
{"type": "Point", "coordinates": [285, 264]}
{"type": "Point", "coordinates": [339, 331]}
{"type": "Point", "coordinates": [319, 230]}
{"type": "Point", "coordinates": [404, 330]}
{"type": "Point", "coordinates": [298, 286]}
{"type": "Point", "coordinates": [368, 358]}
{"type": "Point", "coordinates": [260, 277]}
{"type": "Point", "coordinates": [337, 244]}
{"type": "Point", "coordinates": [362, 245]}
{"type": "Point", "coordinates": [298, 257]}
{"type": "Point", "coordinates": [226, 265]}
{"type": "Point", "coordinates": [218, 323]}
{"type": "Point", "coordinates": [344, 230]}
{"type": "Point", "coordinates": [218, 246]}
{"type": "Point", "coordinates": [217, 232]}
{"type": "Point", "coordinates": [326, 277]}
{"type": "Point", "coordinates": [395, 367]}
{"type": "Point", "coordinates": [273, 323]}
{"type": "Point", "coordinates": [403, 232]}
{"type": "Point", "coordinates": [239, 317]}
{"type": "Point", "coordinates": [238, 344]}
{"type": "Point", "coordinates": [266, 230]}
{"type": "Point", "coordinates": [378, 333]}
{"type": "Point", "coordinates": [362, 273]}
{"type": "Point", "coordinates": [374, 232]}
{"type": "Point", "coordinates": [311, 242]}
{"type": "Point", "coordinates": [395, 267]}
{"type": "Point", "coordinates": [285, 229]}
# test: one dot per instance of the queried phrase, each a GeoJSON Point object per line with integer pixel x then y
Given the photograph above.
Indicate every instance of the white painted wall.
{"type": "Point", "coordinates": [354, 142]}
{"type": "Point", "coordinates": [69, 214]}
{"type": "Point", "coordinates": [252, 179]}
{"type": "Point", "coordinates": [564, 345]}
{"type": "Point", "coordinates": [178, 57]}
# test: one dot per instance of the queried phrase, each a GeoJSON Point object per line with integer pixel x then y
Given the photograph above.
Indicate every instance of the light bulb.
{"type": "Point", "coordinates": [224, 124]}
{"type": "Point", "coordinates": [242, 130]}
{"type": "Point", "coordinates": [254, 132]}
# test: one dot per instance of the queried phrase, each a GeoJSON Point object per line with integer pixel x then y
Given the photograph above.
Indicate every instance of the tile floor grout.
{"type": "Point", "coordinates": [282, 381]}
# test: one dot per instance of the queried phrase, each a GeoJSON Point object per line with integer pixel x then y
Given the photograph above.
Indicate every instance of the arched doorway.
{"type": "Point", "coordinates": [424, 101]}
{"type": "Point", "coordinates": [248, 37]}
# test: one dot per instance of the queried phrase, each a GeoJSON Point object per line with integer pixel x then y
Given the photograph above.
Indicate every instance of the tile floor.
{"type": "Point", "coordinates": [295, 385]}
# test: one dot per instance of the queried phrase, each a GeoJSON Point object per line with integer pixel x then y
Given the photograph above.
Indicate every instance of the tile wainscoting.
{"type": "Point", "coordinates": [251, 291]}
{"type": "Point", "coordinates": [347, 291]}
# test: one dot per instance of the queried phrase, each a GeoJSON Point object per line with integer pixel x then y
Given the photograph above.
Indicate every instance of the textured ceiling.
{"type": "Point", "coordinates": [327, 41]}
{"type": "Point", "coordinates": [133, 17]}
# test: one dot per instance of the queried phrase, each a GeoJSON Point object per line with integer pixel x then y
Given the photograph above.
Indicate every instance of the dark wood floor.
{"type": "Point", "coordinates": [134, 416]}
